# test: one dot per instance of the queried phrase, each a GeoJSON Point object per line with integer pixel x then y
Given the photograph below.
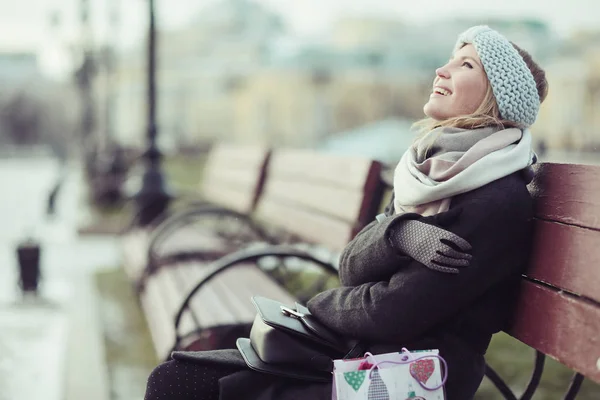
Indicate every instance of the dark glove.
{"type": "Point", "coordinates": [432, 246]}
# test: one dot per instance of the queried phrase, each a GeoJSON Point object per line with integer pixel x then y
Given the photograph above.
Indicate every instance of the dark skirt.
{"type": "Point", "coordinates": [223, 375]}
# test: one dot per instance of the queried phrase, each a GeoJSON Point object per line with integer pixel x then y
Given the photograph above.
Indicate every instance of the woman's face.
{"type": "Point", "coordinates": [459, 86]}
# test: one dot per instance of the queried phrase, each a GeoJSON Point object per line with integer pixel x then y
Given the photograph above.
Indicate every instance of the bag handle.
{"type": "Point", "coordinates": [408, 358]}
{"type": "Point", "coordinates": [314, 326]}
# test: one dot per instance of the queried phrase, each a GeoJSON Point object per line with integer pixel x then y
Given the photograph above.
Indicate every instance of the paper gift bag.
{"type": "Point", "coordinates": [393, 376]}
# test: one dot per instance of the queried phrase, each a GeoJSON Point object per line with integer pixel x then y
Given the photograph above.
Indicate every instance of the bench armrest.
{"type": "Point", "coordinates": [187, 217]}
{"type": "Point", "coordinates": [190, 216]}
{"type": "Point", "coordinates": [183, 219]}
{"type": "Point", "coordinates": [242, 256]}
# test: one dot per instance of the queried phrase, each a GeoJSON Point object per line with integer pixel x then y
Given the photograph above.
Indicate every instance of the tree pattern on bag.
{"type": "Point", "coordinates": [377, 388]}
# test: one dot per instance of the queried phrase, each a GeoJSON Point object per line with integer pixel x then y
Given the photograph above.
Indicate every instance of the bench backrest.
{"type": "Point", "coordinates": [233, 176]}
{"type": "Point", "coordinates": [320, 198]}
{"type": "Point", "coordinates": [558, 309]}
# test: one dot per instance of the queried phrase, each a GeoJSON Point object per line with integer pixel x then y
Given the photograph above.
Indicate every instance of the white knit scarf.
{"type": "Point", "coordinates": [460, 160]}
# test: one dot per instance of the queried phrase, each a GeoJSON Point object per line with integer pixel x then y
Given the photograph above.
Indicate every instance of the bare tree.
{"type": "Point", "coordinates": [38, 115]}
{"type": "Point", "coordinates": [21, 115]}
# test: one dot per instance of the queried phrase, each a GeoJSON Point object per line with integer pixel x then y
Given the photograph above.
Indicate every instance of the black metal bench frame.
{"type": "Point", "coordinates": [243, 256]}
{"type": "Point", "coordinates": [185, 218]}
{"type": "Point", "coordinates": [534, 382]}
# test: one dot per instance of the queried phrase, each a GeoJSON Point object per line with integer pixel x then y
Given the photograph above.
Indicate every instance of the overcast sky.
{"type": "Point", "coordinates": [24, 24]}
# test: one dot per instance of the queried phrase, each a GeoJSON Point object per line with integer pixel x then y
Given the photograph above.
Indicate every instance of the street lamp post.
{"type": "Point", "coordinates": [84, 76]}
{"type": "Point", "coordinates": [153, 198]}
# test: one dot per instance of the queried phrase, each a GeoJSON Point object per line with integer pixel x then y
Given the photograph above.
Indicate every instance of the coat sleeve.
{"type": "Point", "coordinates": [415, 298]}
{"type": "Point", "coordinates": [371, 256]}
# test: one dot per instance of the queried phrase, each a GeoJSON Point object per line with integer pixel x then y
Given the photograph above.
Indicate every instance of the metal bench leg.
{"type": "Point", "coordinates": [534, 382]}
{"type": "Point", "coordinates": [499, 383]}
{"type": "Point", "coordinates": [574, 387]}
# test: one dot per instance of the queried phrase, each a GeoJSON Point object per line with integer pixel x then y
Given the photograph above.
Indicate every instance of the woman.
{"type": "Point", "coordinates": [439, 269]}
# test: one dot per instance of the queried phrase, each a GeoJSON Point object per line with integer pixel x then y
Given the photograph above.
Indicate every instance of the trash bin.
{"type": "Point", "coordinates": [28, 255]}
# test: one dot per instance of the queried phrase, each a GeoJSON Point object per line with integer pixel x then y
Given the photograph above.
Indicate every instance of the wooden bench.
{"type": "Point", "coordinates": [231, 181]}
{"type": "Point", "coordinates": [324, 200]}
{"type": "Point", "coordinates": [558, 309]}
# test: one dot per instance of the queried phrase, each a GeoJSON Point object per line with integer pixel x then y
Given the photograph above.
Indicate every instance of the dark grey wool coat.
{"type": "Point", "coordinates": [391, 301]}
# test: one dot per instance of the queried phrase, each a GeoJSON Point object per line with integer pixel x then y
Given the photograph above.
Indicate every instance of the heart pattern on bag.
{"type": "Point", "coordinates": [355, 379]}
{"type": "Point", "coordinates": [422, 370]}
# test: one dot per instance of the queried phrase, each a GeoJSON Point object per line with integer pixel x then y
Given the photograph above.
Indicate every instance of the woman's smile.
{"type": "Point", "coordinates": [461, 83]}
{"type": "Point", "coordinates": [441, 91]}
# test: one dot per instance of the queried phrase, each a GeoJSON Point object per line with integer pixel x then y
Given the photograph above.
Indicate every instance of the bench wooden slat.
{"type": "Point", "coordinates": [320, 198]}
{"type": "Point", "coordinates": [561, 326]}
{"type": "Point", "coordinates": [228, 156]}
{"type": "Point", "coordinates": [134, 253]}
{"type": "Point", "coordinates": [245, 178]}
{"type": "Point", "coordinates": [232, 295]}
{"type": "Point", "coordinates": [188, 238]}
{"type": "Point", "coordinates": [172, 296]}
{"type": "Point", "coordinates": [156, 315]}
{"type": "Point", "coordinates": [306, 224]}
{"type": "Point", "coordinates": [206, 306]}
{"type": "Point", "coordinates": [225, 287]}
{"type": "Point", "coordinates": [237, 198]}
{"type": "Point", "coordinates": [233, 175]}
{"type": "Point", "coordinates": [340, 171]}
{"type": "Point", "coordinates": [187, 280]}
{"type": "Point", "coordinates": [568, 193]}
{"type": "Point", "coordinates": [225, 301]}
{"type": "Point", "coordinates": [259, 279]}
{"type": "Point", "coordinates": [561, 257]}
{"type": "Point", "coordinates": [240, 283]}
{"type": "Point", "coordinates": [166, 292]}
{"type": "Point", "coordinates": [331, 200]}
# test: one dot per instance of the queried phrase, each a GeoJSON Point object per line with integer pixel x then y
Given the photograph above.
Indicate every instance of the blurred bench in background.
{"type": "Point", "coordinates": [193, 302]}
{"type": "Point", "coordinates": [558, 309]}
{"type": "Point", "coordinates": [229, 187]}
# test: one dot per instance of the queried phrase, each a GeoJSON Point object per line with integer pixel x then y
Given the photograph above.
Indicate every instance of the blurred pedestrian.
{"type": "Point", "coordinates": [53, 194]}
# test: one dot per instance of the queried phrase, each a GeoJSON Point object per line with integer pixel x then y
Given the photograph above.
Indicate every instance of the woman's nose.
{"type": "Point", "coordinates": [442, 72]}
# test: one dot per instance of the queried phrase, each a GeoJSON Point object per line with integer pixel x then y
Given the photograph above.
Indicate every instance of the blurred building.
{"type": "Point", "coordinates": [384, 140]}
{"type": "Point", "coordinates": [40, 116]}
{"type": "Point", "coordinates": [569, 117]}
{"type": "Point", "coordinates": [18, 67]}
{"type": "Point", "coordinates": [34, 110]}
{"type": "Point", "coordinates": [400, 45]}
{"type": "Point", "coordinates": [300, 107]}
{"type": "Point", "coordinates": [128, 89]}
{"type": "Point", "coordinates": [197, 66]}
{"type": "Point", "coordinates": [235, 73]}
{"type": "Point", "coordinates": [532, 35]}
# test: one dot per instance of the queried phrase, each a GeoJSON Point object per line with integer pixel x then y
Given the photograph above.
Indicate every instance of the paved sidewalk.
{"type": "Point", "coordinates": [32, 347]}
{"type": "Point", "coordinates": [50, 348]}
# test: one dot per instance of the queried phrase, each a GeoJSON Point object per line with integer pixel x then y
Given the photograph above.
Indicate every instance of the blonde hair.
{"type": "Point", "coordinates": [487, 114]}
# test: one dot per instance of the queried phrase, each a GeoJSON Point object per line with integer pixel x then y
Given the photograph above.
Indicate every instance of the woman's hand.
{"type": "Point", "coordinates": [432, 246]}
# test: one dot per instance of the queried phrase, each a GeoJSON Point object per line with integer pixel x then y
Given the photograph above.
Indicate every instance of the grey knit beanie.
{"type": "Point", "coordinates": [511, 80]}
